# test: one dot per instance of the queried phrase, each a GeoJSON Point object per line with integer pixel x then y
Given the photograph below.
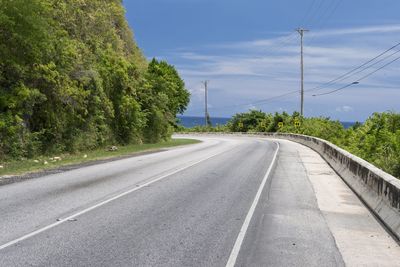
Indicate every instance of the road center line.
{"type": "Point", "coordinates": [242, 233]}
{"type": "Point", "coordinates": [71, 217]}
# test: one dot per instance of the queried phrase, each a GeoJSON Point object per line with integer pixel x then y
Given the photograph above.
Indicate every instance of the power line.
{"type": "Point", "coordinates": [341, 88]}
{"type": "Point", "coordinates": [384, 66]}
{"type": "Point", "coordinates": [308, 15]}
{"type": "Point", "coordinates": [315, 12]}
{"type": "Point", "coordinates": [363, 69]}
{"type": "Point", "coordinates": [348, 85]}
{"type": "Point", "coordinates": [271, 99]}
{"type": "Point", "coordinates": [325, 16]}
{"type": "Point", "coordinates": [266, 100]}
{"type": "Point", "coordinates": [258, 102]}
{"type": "Point", "coordinates": [282, 43]}
{"type": "Point", "coordinates": [347, 74]}
{"type": "Point", "coordinates": [360, 79]}
{"type": "Point", "coordinates": [338, 3]}
{"type": "Point", "coordinates": [320, 16]}
{"type": "Point", "coordinates": [373, 64]}
{"type": "Point", "coordinates": [308, 12]}
{"type": "Point", "coordinates": [311, 15]}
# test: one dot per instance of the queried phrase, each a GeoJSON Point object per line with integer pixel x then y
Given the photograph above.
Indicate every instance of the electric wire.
{"type": "Point", "coordinates": [351, 72]}
{"type": "Point", "coordinates": [311, 16]}
{"type": "Point", "coordinates": [368, 67]}
{"type": "Point", "coordinates": [360, 79]}
{"type": "Point", "coordinates": [273, 98]}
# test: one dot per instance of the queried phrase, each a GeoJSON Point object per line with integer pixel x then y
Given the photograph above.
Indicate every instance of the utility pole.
{"type": "Point", "coordinates": [301, 31]}
{"type": "Point", "coordinates": [206, 116]}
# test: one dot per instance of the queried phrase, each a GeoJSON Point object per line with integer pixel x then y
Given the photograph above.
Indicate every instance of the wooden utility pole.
{"type": "Point", "coordinates": [206, 116]}
{"type": "Point", "coordinates": [301, 32]}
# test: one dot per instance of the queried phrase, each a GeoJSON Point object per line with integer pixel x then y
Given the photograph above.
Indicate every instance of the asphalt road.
{"type": "Point", "coordinates": [188, 206]}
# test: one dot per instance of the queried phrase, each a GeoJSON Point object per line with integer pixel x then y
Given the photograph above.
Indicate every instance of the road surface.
{"type": "Point", "coordinates": [218, 203]}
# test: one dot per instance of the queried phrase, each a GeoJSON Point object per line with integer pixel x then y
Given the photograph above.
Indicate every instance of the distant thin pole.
{"type": "Point", "coordinates": [205, 103]}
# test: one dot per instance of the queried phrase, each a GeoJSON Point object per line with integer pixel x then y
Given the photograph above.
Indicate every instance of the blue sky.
{"type": "Point", "coordinates": [249, 51]}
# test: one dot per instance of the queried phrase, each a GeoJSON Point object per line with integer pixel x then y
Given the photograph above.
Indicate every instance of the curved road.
{"type": "Point", "coordinates": [217, 203]}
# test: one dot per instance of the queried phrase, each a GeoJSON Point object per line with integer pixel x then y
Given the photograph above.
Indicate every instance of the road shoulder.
{"type": "Point", "coordinates": [288, 228]}
{"type": "Point", "coordinates": [64, 167]}
{"type": "Point", "coordinates": [361, 239]}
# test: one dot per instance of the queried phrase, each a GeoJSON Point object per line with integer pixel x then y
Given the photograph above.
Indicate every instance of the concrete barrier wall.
{"type": "Point", "coordinates": [379, 190]}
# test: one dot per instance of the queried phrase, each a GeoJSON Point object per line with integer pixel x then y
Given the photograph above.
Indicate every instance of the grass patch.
{"type": "Point", "coordinates": [18, 167]}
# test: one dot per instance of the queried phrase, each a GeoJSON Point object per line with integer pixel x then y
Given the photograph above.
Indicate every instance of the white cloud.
{"type": "Point", "coordinates": [344, 109]}
{"type": "Point", "coordinates": [252, 107]}
{"type": "Point", "coordinates": [361, 30]}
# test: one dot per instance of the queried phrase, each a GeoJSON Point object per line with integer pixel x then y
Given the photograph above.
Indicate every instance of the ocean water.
{"type": "Point", "coordinates": [347, 124]}
{"type": "Point", "coordinates": [189, 122]}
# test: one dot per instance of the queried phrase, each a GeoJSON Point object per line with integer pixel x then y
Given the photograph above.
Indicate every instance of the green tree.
{"type": "Point", "coordinates": [248, 122]}
{"type": "Point", "coordinates": [72, 78]}
{"type": "Point", "coordinates": [163, 97]}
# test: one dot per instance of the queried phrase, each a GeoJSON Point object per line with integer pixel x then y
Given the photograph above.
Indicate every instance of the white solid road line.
{"type": "Point", "coordinates": [60, 221]}
{"type": "Point", "coordinates": [242, 233]}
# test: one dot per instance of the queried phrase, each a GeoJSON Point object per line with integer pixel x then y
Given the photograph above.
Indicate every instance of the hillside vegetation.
{"type": "Point", "coordinates": [73, 78]}
{"type": "Point", "coordinates": [377, 140]}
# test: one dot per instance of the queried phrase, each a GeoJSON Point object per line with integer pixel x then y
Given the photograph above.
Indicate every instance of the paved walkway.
{"type": "Point", "coordinates": [361, 239]}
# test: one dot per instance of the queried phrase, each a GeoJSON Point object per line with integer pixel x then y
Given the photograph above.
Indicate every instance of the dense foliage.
{"type": "Point", "coordinates": [72, 78]}
{"type": "Point", "coordinates": [377, 140]}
